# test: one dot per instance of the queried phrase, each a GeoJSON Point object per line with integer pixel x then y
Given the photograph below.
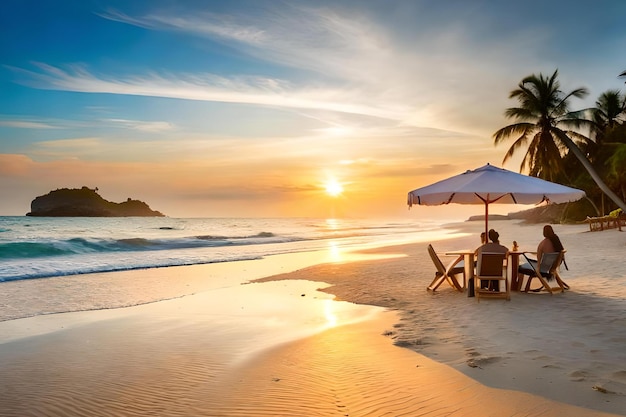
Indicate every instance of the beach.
{"type": "Point", "coordinates": [351, 335]}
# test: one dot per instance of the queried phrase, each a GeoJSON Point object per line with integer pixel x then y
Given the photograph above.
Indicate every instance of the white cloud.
{"type": "Point", "coordinates": [24, 124]}
{"type": "Point", "coordinates": [207, 87]}
{"type": "Point", "coordinates": [143, 126]}
{"type": "Point", "coordinates": [450, 77]}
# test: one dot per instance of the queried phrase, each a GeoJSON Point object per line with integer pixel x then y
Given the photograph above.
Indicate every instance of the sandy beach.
{"type": "Point", "coordinates": [356, 335]}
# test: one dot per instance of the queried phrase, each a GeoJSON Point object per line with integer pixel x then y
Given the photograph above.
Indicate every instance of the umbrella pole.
{"type": "Point", "coordinates": [486, 220]}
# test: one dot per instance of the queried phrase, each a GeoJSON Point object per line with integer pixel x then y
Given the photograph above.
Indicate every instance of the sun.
{"type": "Point", "coordinates": [333, 188]}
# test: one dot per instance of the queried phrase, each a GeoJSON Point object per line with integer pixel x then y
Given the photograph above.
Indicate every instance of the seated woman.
{"type": "Point", "coordinates": [550, 243]}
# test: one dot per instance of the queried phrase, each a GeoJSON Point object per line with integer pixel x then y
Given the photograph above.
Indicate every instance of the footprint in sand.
{"type": "Point", "coordinates": [619, 375]}
{"type": "Point", "coordinates": [471, 352]}
{"type": "Point", "coordinates": [481, 362]}
{"type": "Point", "coordinates": [578, 376]}
{"type": "Point", "coordinates": [552, 366]}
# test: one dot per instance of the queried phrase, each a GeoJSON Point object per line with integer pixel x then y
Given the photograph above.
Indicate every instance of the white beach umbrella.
{"type": "Point", "coordinates": [490, 185]}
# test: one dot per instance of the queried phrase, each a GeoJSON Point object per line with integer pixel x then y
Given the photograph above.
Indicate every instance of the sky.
{"type": "Point", "coordinates": [255, 108]}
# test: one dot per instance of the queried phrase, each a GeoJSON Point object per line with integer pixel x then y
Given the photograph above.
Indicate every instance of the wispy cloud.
{"type": "Point", "coordinates": [205, 87]}
{"type": "Point", "coordinates": [138, 125]}
{"type": "Point", "coordinates": [434, 79]}
{"type": "Point", "coordinates": [24, 124]}
{"type": "Point", "coordinates": [302, 37]}
{"type": "Point", "coordinates": [208, 24]}
{"type": "Point", "coordinates": [142, 126]}
{"type": "Point", "coordinates": [77, 148]}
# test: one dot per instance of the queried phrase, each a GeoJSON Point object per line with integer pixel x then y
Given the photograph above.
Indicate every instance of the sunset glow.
{"type": "Point", "coordinates": [333, 188]}
{"type": "Point", "coordinates": [222, 109]}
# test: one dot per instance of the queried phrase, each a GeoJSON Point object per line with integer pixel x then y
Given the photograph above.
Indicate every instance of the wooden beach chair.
{"type": "Point", "coordinates": [546, 271]}
{"type": "Point", "coordinates": [491, 280]}
{"type": "Point", "coordinates": [446, 273]}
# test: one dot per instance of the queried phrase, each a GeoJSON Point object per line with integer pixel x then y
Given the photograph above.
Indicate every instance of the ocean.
{"type": "Point", "coordinates": [46, 247]}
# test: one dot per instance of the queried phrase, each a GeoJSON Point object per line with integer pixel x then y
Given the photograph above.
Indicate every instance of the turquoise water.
{"type": "Point", "coordinates": [43, 247]}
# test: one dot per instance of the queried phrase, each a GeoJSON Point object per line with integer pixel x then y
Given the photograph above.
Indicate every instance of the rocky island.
{"type": "Point", "coordinates": [85, 202]}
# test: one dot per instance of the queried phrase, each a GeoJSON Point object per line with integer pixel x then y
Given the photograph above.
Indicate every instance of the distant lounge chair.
{"type": "Point", "coordinates": [448, 273]}
{"type": "Point", "coordinates": [491, 280]}
{"type": "Point", "coordinates": [545, 271]}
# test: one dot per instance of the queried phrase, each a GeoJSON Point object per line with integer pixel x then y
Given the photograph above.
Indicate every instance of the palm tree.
{"type": "Point", "coordinates": [605, 117]}
{"type": "Point", "coordinates": [612, 158]}
{"type": "Point", "coordinates": [607, 114]}
{"type": "Point", "coordinates": [615, 164]}
{"type": "Point", "coordinates": [543, 108]}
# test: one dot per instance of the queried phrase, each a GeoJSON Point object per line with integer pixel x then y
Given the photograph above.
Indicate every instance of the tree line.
{"type": "Point", "coordinates": [559, 142]}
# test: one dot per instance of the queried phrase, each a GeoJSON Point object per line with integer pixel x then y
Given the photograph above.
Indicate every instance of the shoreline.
{"type": "Point", "coordinates": [125, 289]}
{"type": "Point", "coordinates": [439, 327]}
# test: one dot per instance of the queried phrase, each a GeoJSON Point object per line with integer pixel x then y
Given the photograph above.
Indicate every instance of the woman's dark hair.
{"type": "Point", "coordinates": [494, 236]}
{"type": "Point", "coordinates": [548, 232]}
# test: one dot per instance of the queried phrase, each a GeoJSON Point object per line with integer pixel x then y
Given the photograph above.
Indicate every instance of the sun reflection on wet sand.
{"type": "Point", "coordinates": [331, 318]}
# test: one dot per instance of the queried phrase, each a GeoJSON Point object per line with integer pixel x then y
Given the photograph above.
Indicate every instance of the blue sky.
{"type": "Point", "coordinates": [250, 108]}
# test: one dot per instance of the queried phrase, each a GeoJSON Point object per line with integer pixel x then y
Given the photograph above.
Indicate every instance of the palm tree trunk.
{"type": "Point", "coordinates": [594, 206]}
{"type": "Point", "coordinates": [594, 175]}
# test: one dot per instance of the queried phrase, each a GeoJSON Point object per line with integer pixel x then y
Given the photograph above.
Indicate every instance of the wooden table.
{"type": "Point", "coordinates": [468, 259]}
{"type": "Point", "coordinates": [515, 283]}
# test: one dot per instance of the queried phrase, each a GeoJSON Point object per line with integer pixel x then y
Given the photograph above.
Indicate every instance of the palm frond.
{"type": "Point", "coordinates": [554, 147]}
{"type": "Point", "coordinates": [578, 138]}
{"type": "Point", "coordinates": [520, 113]}
{"type": "Point", "coordinates": [522, 129]}
{"type": "Point", "coordinates": [580, 114]}
{"type": "Point", "coordinates": [517, 144]}
{"type": "Point", "coordinates": [570, 121]}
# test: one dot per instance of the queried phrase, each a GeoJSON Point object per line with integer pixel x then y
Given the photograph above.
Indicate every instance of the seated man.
{"type": "Point", "coordinates": [493, 246]}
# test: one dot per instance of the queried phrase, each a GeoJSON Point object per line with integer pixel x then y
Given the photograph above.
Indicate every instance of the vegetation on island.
{"type": "Point", "coordinates": [86, 202]}
{"type": "Point", "coordinates": [584, 149]}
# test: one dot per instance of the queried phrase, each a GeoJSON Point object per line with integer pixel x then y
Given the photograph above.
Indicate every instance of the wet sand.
{"type": "Point", "coordinates": [278, 347]}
